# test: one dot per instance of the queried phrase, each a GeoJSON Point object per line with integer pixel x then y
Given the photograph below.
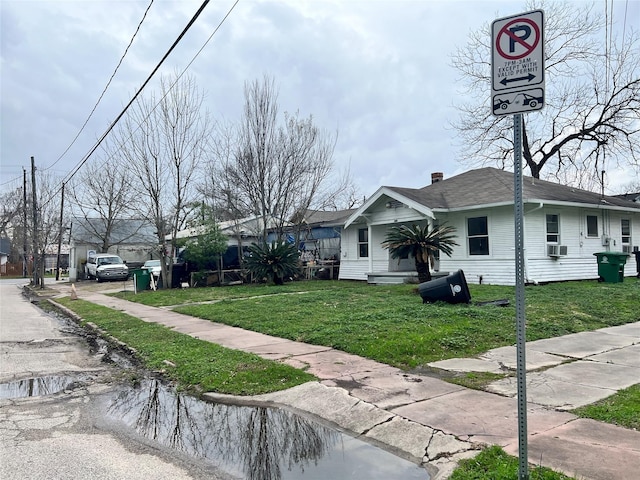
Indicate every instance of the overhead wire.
{"type": "Point", "coordinates": [86, 157]}
{"type": "Point", "coordinates": [138, 92]}
{"type": "Point", "coordinates": [144, 16]}
{"type": "Point", "coordinates": [624, 24]}
{"type": "Point", "coordinates": [178, 77]}
{"type": "Point", "coordinates": [97, 102]}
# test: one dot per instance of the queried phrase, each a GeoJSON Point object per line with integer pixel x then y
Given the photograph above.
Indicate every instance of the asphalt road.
{"type": "Point", "coordinates": [65, 435]}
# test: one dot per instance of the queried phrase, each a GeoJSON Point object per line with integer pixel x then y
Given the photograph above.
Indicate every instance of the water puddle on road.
{"type": "Point", "coordinates": [254, 443]}
{"type": "Point", "coordinates": [37, 387]}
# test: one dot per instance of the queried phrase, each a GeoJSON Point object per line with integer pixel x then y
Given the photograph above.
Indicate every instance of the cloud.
{"type": "Point", "coordinates": [377, 72]}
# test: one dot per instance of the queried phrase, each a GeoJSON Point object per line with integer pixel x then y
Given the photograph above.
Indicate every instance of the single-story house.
{"type": "Point", "coordinates": [318, 234]}
{"type": "Point", "coordinates": [563, 228]}
{"type": "Point", "coordinates": [134, 240]}
{"type": "Point", "coordinates": [240, 234]}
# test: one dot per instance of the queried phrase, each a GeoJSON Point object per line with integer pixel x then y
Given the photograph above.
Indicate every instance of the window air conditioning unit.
{"type": "Point", "coordinates": [626, 249]}
{"type": "Point", "coordinates": [556, 250]}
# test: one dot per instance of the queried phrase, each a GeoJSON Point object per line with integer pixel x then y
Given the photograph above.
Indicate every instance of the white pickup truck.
{"type": "Point", "coordinates": [106, 266]}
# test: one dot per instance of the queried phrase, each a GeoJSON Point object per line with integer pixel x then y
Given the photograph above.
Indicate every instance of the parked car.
{"type": "Point", "coordinates": [501, 104]}
{"type": "Point", "coordinates": [106, 266]}
{"type": "Point", "coordinates": [153, 266]}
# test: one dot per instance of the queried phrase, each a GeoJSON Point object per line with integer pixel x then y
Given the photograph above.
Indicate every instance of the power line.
{"type": "Point", "coordinates": [624, 25]}
{"type": "Point", "coordinates": [178, 77]}
{"type": "Point", "coordinates": [144, 16]}
{"type": "Point", "coordinates": [113, 124]}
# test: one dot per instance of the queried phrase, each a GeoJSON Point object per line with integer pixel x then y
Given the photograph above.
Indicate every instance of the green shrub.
{"type": "Point", "coordinates": [276, 261]}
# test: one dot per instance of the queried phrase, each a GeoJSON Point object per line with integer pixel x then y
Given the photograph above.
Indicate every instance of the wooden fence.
{"type": "Point", "coordinates": [14, 270]}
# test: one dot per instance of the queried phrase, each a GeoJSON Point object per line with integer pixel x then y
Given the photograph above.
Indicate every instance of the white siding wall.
{"type": "Point", "coordinates": [354, 268]}
{"type": "Point", "coordinates": [579, 263]}
{"type": "Point", "coordinates": [495, 268]}
{"type": "Point", "coordinates": [499, 266]}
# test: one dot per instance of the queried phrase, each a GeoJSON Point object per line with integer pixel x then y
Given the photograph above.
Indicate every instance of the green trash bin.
{"type": "Point", "coordinates": [141, 279]}
{"type": "Point", "coordinates": [611, 266]}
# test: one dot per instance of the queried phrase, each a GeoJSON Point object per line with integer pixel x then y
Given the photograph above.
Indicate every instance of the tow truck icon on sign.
{"type": "Point", "coordinates": [518, 102]}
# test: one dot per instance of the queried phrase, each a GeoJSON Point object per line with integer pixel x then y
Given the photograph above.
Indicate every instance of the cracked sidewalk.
{"type": "Point", "coordinates": [435, 423]}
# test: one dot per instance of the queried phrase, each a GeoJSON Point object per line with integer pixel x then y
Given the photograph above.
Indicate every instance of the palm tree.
{"type": "Point", "coordinates": [422, 243]}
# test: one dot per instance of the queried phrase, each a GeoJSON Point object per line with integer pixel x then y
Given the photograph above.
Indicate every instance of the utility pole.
{"type": "Point", "coordinates": [25, 246]}
{"type": "Point", "coordinates": [60, 234]}
{"type": "Point", "coordinates": [36, 263]}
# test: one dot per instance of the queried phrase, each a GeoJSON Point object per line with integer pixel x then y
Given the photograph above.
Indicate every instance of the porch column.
{"type": "Point", "coordinates": [369, 238]}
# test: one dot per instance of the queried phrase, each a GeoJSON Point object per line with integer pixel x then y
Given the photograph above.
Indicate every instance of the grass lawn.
{"type": "Point", "coordinates": [622, 408]}
{"type": "Point", "coordinates": [195, 364]}
{"type": "Point", "coordinates": [391, 325]}
{"type": "Point", "coordinates": [385, 323]}
{"type": "Point", "coordinates": [494, 464]}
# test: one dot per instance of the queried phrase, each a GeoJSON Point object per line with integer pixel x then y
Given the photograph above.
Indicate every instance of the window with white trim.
{"type": "Point", "coordinates": [478, 235]}
{"type": "Point", "coordinates": [625, 230]}
{"type": "Point", "coordinates": [553, 228]}
{"type": "Point", "coordinates": [363, 242]}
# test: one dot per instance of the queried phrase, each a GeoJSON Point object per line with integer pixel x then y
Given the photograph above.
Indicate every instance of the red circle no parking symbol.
{"type": "Point", "coordinates": [517, 39]}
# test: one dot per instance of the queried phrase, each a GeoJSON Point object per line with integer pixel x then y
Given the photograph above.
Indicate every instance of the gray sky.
{"type": "Point", "coordinates": [378, 72]}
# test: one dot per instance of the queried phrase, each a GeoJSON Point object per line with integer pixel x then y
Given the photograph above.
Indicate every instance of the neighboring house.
{"type": "Point", "coordinates": [563, 228]}
{"type": "Point", "coordinates": [318, 234]}
{"type": "Point", "coordinates": [633, 197]}
{"type": "Point", "coordinates": [134, 240]}
{"type": "Point", "coordinates": [5, 250]}
{"type": "Point", "coordinates": [240, 234]}
{"type": "Point", "coordinates": [51, 257]}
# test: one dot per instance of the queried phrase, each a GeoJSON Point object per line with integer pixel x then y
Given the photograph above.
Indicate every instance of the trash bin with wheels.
{"type": "Point", "coordinates": [452, 289]}
{"type": "Point", "coordinates": [611, 266]}
{"type": "Point", "coordinates": [637, 254]}
{"type": "Point", "coordinates": [141, 279]}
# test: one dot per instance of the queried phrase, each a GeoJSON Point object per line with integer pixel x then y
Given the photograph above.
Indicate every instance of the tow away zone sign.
{"type": "Point", "coordinates": [517, 63]}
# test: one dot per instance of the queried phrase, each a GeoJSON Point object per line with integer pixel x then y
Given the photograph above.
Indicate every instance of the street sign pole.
{"type": "Point", "coordinates": [517, 87]}
{"type": "Point", "coordinates": [521, 361]}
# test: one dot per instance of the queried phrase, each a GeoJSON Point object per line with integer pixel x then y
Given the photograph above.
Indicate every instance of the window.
{"type": "Point", "coordinates": [363, 243]}
{"type": "Point", "coordinates": [478, 235]}
{"type": "Point", "coordinates": [625, 229]}
{"type": "Point", "coordinates": [553, 229]}
{"type": "Point", "coordinates": [592, 226]}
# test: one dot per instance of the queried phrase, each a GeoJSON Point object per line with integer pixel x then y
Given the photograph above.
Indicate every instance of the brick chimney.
{"type": "Point", "coordinates": [437, 177]}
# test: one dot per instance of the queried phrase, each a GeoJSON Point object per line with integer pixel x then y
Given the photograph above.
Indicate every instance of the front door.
{"type": "Point", "coordinates": [402, 264]}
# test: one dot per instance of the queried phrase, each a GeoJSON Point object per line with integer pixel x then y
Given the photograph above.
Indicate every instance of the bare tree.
{"type": "Point", "coordinates": [13, 225]}
{"type": "Point", "coordinates": [11, 207]}
{"type": "Point", "coordinates": [164, 141]}
{"type": "Point", "coordinates": [103, 197]}
{"type": "Point", "coordinates": [48, 212]}
{"type": "Point", "coordinates": [276, 169]}
{"type": "Point", "coordinates": [592, 102]}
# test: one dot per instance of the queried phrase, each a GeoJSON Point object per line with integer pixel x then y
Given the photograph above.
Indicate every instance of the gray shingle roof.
{"type": "Point", "coordinates": [489, 185]}
{"type": "Point", "coordinates": [327, 218]}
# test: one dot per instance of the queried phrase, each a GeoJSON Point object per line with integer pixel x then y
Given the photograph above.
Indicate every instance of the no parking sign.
{"type": "Point", "coordinates": [517, 63]}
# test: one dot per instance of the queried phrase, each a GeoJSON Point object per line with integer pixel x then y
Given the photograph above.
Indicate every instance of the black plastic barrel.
{"type": "Point", "coordinates": [452, 289]}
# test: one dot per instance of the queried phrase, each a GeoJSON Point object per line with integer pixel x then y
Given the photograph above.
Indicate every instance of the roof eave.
{"type": "Point", "coordinates": [361, 212]}
{"type": "Point", "coordinates": [538, 201]}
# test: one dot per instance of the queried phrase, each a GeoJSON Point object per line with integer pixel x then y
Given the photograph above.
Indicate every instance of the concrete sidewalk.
{"type": "Point", "coordinates": [437, 423]}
